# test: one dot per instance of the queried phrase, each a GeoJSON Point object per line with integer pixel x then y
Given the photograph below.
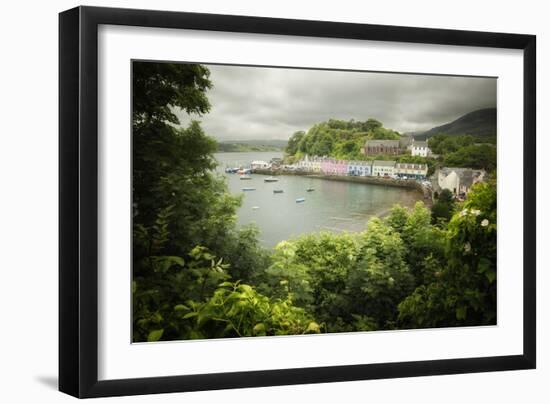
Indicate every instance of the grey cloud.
{"type": "Point", "coordinates": [273, 103]}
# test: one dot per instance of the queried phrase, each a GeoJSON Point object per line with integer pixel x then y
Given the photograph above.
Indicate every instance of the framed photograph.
{"type": "Point", "coordinates": [251, 201]}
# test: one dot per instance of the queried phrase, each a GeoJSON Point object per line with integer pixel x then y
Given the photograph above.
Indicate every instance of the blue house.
{"type": "Point", "coordinates": [359, 168]}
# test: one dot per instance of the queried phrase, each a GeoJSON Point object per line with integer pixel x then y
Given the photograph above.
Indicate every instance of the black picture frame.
{"type": "Point", "coordinates": [78, 200]}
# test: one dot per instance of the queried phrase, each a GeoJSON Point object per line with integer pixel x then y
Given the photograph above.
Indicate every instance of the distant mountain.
{"type": "Point", "coordinates": [251, 145]}
{"type": "Point", "coordinates": [482, 122]}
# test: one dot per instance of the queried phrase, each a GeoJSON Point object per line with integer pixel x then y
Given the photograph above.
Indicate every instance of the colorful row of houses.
{"type": "Point", "coordinates": [376, 168]}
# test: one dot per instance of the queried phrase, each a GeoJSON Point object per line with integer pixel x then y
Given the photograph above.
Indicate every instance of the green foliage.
{"type": "Point", "coordinates": [464, 291]}
{"type": "Point", "coordinates": [381, 278]}
{"type": "Point", "coordinates": [158, 88]}
{"type": "Point", "coordinates": [475, 156]}
{"type": "Point", "coordinates": [424, 242]}
{"type": "Point", "coordinates": [465, 151]}
{"type": "Point", "coordinates": [443, 208]}
{"type": "Point", "coordinates": [160, 285]}
{"type": "Point", "coordinates": [294, 142]}
{"type": "Point", "coordinates": [338, 138]}
{"type": "Point", "coordinates": [247, 257]}
{"type": "Point", "coordinates": [287, 277]}
{"type": "Point", "coordinates": [237, 310]}
{"type": "Point", "coordinates": [328, 259]}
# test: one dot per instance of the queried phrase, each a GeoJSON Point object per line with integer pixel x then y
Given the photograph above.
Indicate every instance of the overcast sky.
{"type": "Point", "coordinates": [273, 103]}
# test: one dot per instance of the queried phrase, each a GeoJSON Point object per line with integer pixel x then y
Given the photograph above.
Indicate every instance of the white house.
{"type": "Point", "coordinates": [411, 170]}
{"type": "Point", "coordinates": [420, 148]}
{"type": "Point", "coordinates": [259, 164]}
{"type": "Point", "coordinates": [459, 180]}
{"type": "Point", "coordinates": [383, 168]}
{"type": "Point", "coordinates": [310, 164]}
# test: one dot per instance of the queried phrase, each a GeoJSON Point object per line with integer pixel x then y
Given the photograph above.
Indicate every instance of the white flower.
{"type": "Point", "coordinates": [476, 212]}
{"type": "Point", "coordinates": [484, 223]}
{"type": "Point", "coordinates": [464, 212]}
{"type": "Point", "coordinates": [467, 247]}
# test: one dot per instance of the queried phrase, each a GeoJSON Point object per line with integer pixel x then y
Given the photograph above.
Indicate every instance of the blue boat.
{"type": "Point", "coordinates": [300, 200]}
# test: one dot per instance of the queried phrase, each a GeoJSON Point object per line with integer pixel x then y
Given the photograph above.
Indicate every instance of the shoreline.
{"type": "Point", "coordinates": [388, 182]}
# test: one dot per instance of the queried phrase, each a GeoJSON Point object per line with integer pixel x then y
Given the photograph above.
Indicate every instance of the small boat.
{"type": "Point", "coordinates": [271, 179]}
{"type": "Point", "coordinates": [248, 189]}
{"type": "Point", "coordinates": [231, 170]}
{"type": "Point", "coordinates": [300, 200]}
{"type": "Point", "coordinates": [310, 189]}
{"type": "Point", "coordinates": [255, 207]}
{"type": "Point", "coordinates": [278, 191]}
{"type": "Point", "coordinates": [245, 177]}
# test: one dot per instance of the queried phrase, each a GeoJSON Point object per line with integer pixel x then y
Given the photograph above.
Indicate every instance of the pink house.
{"type": "Point", "coordinates": [334, 167]}
{"type": "Point", "coordinates": [327, 166]}
{"type": "Point", "coordinates": [341, 167]}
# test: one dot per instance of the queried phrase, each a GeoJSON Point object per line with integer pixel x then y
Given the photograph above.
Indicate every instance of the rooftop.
{"type": "Point", "coordinates": [387, 143]}
{"type": "Point", "coordinates": [466, 175]}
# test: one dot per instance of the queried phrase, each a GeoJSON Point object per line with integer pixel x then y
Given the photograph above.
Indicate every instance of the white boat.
{"type": "Point", "coordinates": [271, 179]}
{"type": "Point", "coordinates": [300, 200]}
{"type": "Point", "coordinates": [245, 177]}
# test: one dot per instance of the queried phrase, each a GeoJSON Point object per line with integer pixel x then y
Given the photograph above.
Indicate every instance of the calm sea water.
{"type": "Point", "coordinates": [333, 206]}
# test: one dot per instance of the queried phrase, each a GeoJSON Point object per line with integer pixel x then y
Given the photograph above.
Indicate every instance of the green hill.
{"type": "Point", "coordinates": [480, 123]}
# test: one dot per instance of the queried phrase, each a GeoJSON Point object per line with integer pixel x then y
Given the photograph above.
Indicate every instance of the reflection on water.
{"type": "Point", "coordinates": [332, 206]}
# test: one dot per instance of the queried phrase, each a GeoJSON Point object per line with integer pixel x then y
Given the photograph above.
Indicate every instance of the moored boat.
{"type": "Point", "coordinates": [310, 189]}
{"type": "Point", "coordinates": [248, 189]}
{"type": "Point", "coordinates": [271, 179]}
{"type": "Point", "coordinates": [245, 177]}
{"type": "Point", "coordinates": [300, 200]}
{"type": "Point", "coordinates": [278, 191]}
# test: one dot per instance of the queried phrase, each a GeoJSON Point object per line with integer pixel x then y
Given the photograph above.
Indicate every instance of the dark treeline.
{"type": "Point", "coordinates": [195, 275]}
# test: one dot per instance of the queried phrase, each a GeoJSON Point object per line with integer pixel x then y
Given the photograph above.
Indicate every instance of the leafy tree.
{"type": "Point", "coordinates": [474, 156]}
{"type": "Point", "coordinates": [238, 310]}
{"type": "Point", "coordinates": [287, 276]}
{"type": "Point", "coordinates": [464, 292]}
{"type": "Point", "coordinates": [443, 208]}
{"type": "Point", "coordinates": [315, 269]}
{"type": "Point", "coordinates": [371, 124]}
{"type": "Point", "coordinates": [465, 151]}
{"type": "Point", "coordinates": [160, 286]}
{"type": "Point", "coordinates": [158, 88]}
{"type": "Point", "coordinates": [294, 142]}
{"type": "Point", "coordinates": [381, 278]}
